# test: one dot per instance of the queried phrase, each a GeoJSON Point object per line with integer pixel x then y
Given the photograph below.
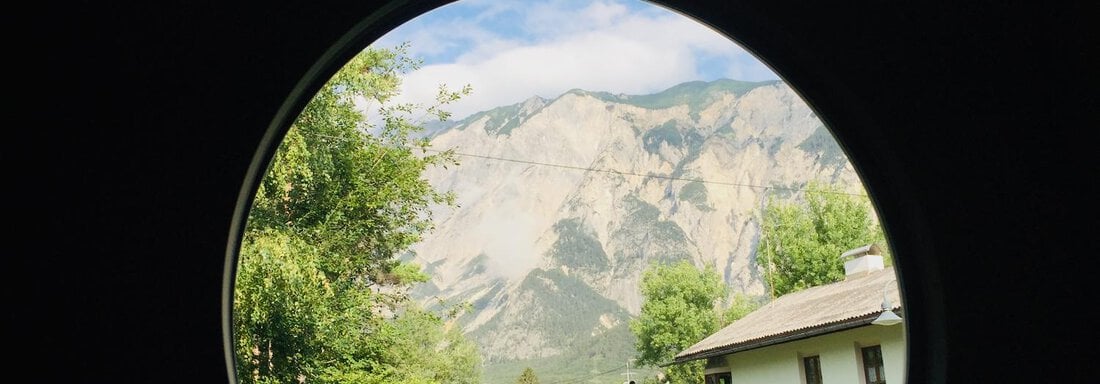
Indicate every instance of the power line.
{"type": "Point", "coordinates": [580, 379]}
{"type": "Point", "coordinates": [654, 176]}
{"type": "Point", "coordinates": [616, 172]}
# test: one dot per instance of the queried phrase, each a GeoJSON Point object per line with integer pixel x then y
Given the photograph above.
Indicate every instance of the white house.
{"type": "Point", "coordinates": [820, 335]}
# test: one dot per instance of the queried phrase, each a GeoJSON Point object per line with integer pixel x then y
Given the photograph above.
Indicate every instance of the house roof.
{"type": "Point", "coordinates": [853, 302]}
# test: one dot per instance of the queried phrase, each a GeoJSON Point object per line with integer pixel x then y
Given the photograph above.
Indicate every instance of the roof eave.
{"type": "Point", "coordinates": [778, 338]}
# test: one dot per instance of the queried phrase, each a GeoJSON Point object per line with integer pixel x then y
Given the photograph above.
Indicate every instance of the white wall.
{"type": "Point", "coordinates": [839, 356]}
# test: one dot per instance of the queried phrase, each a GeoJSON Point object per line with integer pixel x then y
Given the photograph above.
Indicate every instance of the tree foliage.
{"type": "Point", "coordinates": [740, 305]}
{"type": "Point", "coordinates": [349, 186]}
{"type": "Point", "coordinates": [801, 241]}
{"type": "Point", "coordinates": [320, 295]}
{"type": "Point", "coordinates": [527, 377]}
{"type": "Point", "coordinates": [679, 309]}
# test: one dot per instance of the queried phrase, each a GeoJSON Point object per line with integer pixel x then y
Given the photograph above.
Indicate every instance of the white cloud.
{"type": "Point", "coordinates": [605, 46]}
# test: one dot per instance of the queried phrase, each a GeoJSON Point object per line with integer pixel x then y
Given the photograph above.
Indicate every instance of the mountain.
{"type": "Point", "coordinates": [562, 204]}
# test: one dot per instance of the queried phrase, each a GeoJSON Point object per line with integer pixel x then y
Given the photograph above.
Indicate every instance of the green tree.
{"type": "Point", "coordinates": [801, 241]}
{"type": "Point", "coordinates": [276, 317]}
{"type": "Point", "coordinates": [320, 295]}
{"type": "Point", "coordinates": [423, 347]}
{"type": "Point", "coordinates": [353, 187]}
{"type": "Point", "coordinates": [527, 377]}
{"type": "Point", "coordinates": [678, 310]}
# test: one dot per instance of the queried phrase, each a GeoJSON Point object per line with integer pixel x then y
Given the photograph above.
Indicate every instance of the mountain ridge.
{"type": "Point", "coordinates": [587, 189]}
{"type": "Point", "coordinates": [666, 98]}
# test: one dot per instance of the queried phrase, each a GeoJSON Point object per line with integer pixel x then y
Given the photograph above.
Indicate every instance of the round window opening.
{"type": "Point", "coordinates": [561, 192]}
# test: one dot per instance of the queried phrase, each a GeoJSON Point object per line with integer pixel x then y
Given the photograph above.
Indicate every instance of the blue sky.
{"type": "Point", "coordinates": [509, 50]}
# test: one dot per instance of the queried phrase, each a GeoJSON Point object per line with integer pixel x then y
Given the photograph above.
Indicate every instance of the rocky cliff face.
{"type": "Point", "coordinates": [564, 202]}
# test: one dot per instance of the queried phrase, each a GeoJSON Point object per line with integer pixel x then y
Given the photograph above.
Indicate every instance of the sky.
{"type": "Point", "coordinates": [509, 51]}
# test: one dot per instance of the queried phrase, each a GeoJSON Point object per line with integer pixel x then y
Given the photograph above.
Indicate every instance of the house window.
{"type": "Point", "coordinates": [812, 366]}
{"type": "Point", "coordinates": [718, 378]}
{"type": "Point", "coordinates": [872, 365]}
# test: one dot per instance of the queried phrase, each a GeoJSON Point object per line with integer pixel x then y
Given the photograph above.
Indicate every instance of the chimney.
{"type": "Point", "coordinates": [864, 260]}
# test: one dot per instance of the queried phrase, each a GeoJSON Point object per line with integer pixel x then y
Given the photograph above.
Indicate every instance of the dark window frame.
{"type": "Point", "coordinates": [811, 372]}
{"type": "Point", "coordinates": [718, 378]}
{"type": "Point", "coordinates": [874, 370]}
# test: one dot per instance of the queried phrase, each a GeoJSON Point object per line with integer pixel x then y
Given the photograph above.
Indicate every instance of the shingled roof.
{"type": "Point", "coordinates": [847, 304]}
